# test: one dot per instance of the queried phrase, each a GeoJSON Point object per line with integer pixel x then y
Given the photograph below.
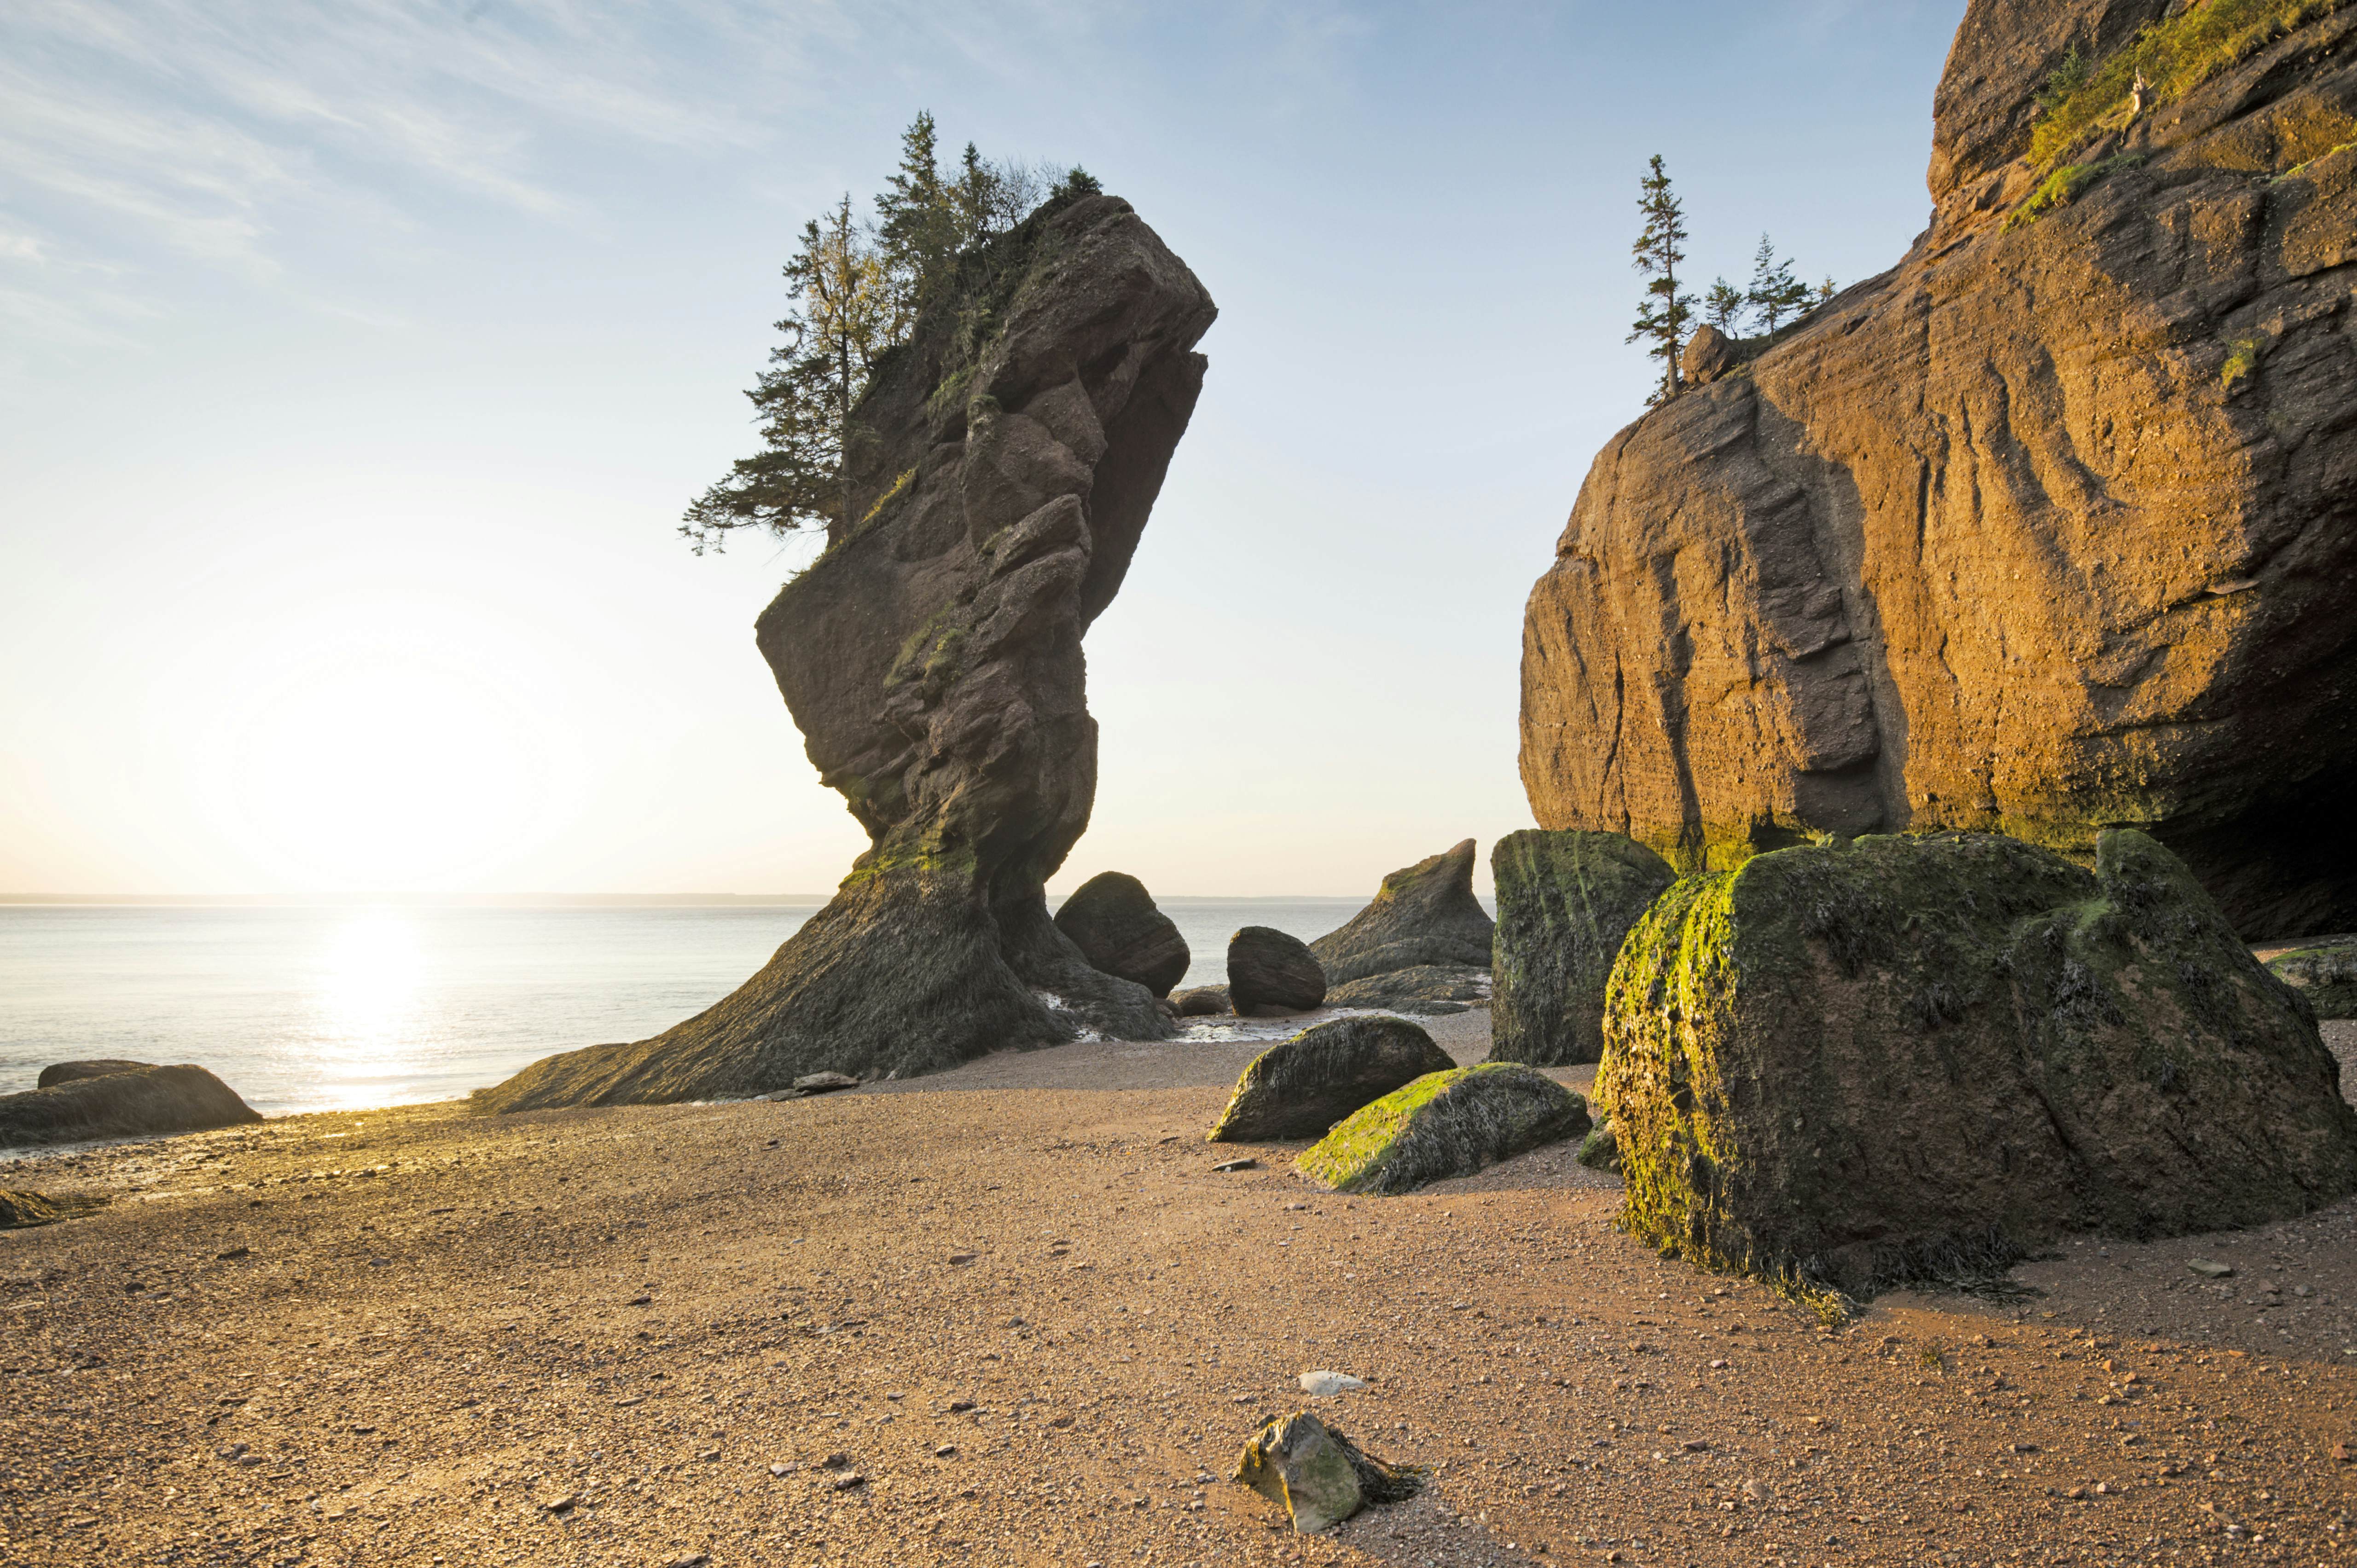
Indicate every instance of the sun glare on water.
{"type": "Point", "coordinates": [367, 986]}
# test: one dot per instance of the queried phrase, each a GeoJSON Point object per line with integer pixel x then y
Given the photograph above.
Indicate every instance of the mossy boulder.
{"type": "Point", "coordinates": [2324, 972]}
{"type": "Point", "coordinates": [1268, 968]}
{"type": "Point", "coordinates": [1600, 1151]}
{"type": "Point", "coordinates": [19, 1209]}
{"type": "Point", "coordinates": [1446, 1124]}
{"type": "Point", "coordinates": [148, 1102]}
{"type": "Point", "coordinates": [1111, 920]}
{"type": "Point", "coordinates": [1905, 1058]}
{"type": "Point", "coordinates": [1301, 1087]}
{"type": "Point", "coordinates": [1431, 989]}
{"type": "Point", "coordinates": [1566, 900]}
{"type": "Point", "coordinates": [1422, 914]}
{"type": "Point", "coordinates": [1317, 1474]}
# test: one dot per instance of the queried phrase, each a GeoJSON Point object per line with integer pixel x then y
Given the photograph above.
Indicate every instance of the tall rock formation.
{"type": "Point", "coordinates": [2051, 528]}
{"type": "Point", "coordinates": [1422, 914]}
{"type": "Point", "coordinates": [933, 659]}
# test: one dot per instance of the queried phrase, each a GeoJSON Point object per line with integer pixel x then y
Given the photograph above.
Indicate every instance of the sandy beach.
{"type": "Point", "coordinates": [1011, 1313]}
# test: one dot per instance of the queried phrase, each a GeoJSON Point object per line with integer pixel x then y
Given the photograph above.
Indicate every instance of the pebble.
{"type": "Point", "coordinates": [2210, 1270]}
{"type": "Point", "coordinates": [787, 1468]}
{"type": "Point", "coordinates": [1326, 1385]}
{"type": "Point", "coordinates": [1237, 1165]}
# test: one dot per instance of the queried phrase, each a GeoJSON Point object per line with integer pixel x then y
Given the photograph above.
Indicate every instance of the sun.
{"type": "Point", "coordinates": [388, 768]}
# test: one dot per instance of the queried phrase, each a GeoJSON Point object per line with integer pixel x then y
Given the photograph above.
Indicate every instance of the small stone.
{"type": "Point", "coordinates": [962, 1257]}
{"type": "Point", "coordinates": [847, 1480]}
{"type": "Point", "coordinates": [709, 1454]}
{"type": "Point", "coordinates": [1326, 1385]}
{"type": "Point", "coordinates": [233, 1253]}
{"type": "Point", "coordinates": [1695, 1445]}
{"type": "Point", "coordinates": [561, 1505]}
{"type": "Point", "coordinates": [946, 1451]}
{"type": "Point", "coordinates": [2210, 1270]}
{"type": "Point", "coordinates": [835, 1461]}
{"type": "Point", "coordinates": [957, 1406]}
{"type": "Point", "coordinates": [643, 1301]}
{"type": "Point", "coordinates": [1317, 1473]}
{"type": "Point", "coordinates": [1237, 1165]}
{"type": "Point", "coordinates": [825, 1082]}
{"type": "Point", "coordinates": [787, 1469]}
{"type": "Point", "coordinates": [693, 1560]}
{"type": "Point", "coordinates": [2342, 1454]}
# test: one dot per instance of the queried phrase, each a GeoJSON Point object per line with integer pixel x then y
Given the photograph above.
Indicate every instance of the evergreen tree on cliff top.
{"type": "Point", "coordinates": [855, 289]}
{"type": "Point", "coordinates": [1663, 313]}
{"type": "Point", "coordinates": [1775, 293]}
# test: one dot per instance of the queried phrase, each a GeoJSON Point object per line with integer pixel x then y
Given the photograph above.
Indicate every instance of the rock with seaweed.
{"type": "Point", "coordinates": [1300, 1087]}
{"type": "Point", "coordinates": [2043, 531]}
{"type": "Point", "coordinates": [1445, 1124]}
{"type": "Point", "coordinates": [19, 1209]}
{"type": "Point", "coordinates": [1422, 914]}
{"type": "Point", "coordinates": [1600, 1151]}
{"type": "Point", "coordinates": [1007, 458]}
{"type": "Point", "coordinates": [1565, 901]}
{"type": "Point", "coordinates": [1270, 969]}
{"type": "Point", "coordinates": [1111, 920]}
{"type": "Point", "coordinates": [92, 1066]}
{"type": "Point", "coordinates": [146, 1102]}
{"type": "Point", "coordinates": [1317, 1474]}
{"type": "Point", "coordinates": [1428, 990]}
{"type": "Point", "coordinates": [2324, 972]}
{"type": "Point", "coordinates": [1918, 1058]}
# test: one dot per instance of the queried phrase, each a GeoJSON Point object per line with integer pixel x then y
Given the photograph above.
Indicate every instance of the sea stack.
{"type": "Point", "coordinates": [2044, 531]}
{"type": "Point", "coordinates": [931, 658]}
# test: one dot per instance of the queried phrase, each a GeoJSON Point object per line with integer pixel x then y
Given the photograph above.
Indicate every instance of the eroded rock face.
{"type": "Point", "coordinates": [932, 657]}
{"type": "Point", "coordinates": [1298, 1088]}
{"type": "Point", "coordinates": [1445, 1124]}
{"type": "Point", "coordinates": [1565, 902]}
{"type": "Point", "coordinates": [1911, 1056]}
{"type": "Point", "coordinates": [1422, 914]}
{"type": "Point", "coordinates": [2048, 528]}
{"type": "Point", "coordinates": [145, 1101]}
{"type": "Point", "coordinates": [1268, 968]}
{"type": "Point", "coordinates": [2325, 972]}
{"type": "Point", "coordinates": [1111, 920]}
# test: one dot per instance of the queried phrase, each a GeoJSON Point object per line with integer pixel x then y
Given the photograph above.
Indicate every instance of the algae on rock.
{"type": "Point", "coordinates": [1317, 1474]}
{"type": "Point", "coordinates": [2323, 972]}
{"type": "Point", "coordinates": [1301, 1087]}
{"type": "Point", "coordinates": [1445, 1124]}
{"type": "Point", "coordinates": [1566, 900]}
{"type": "Point", "coordinates": [1902, 1058]}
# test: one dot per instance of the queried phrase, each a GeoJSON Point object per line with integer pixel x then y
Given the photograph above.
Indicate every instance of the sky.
{"type": "Point", "coordinates": [357, 360]}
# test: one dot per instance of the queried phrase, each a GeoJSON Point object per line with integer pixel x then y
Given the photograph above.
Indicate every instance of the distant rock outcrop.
{"type": "Point", "coordinates": [1267, 968]}
{"type": "Point", "coordinates": [1565, 902]}
{"type": "Point", "coordinates": [1432, 990]}
{"type": "Point", "coordinates": [144, 1102]}
{"type": "Point", "coordinates": [1910, 1058]}
{"type": "Point", "coordinates": [1111, 920]}
{"type": "Point", "coordinates": [2323, 972]}
{"type": "Point", "coordinates": [1301, 1087]}
{"type": "Point", "coordinates": [1423, 914]}
{"type": "Point", "coordinates": [1011, 453]}
{"type": "Point", "coordinates": [2044, 531]}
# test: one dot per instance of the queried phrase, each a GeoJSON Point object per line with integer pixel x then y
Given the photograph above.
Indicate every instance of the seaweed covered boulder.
{"type": "Point", "coordinates": [1433, 990]}
{"type": "Point", "coordinates": [1446, 1124]}
{"type": "Point", "coordinates": [1298, 1088]}
{"type": "Point", "coordinates": [19, 1209]}
{"type": "Point", "coordinates": [1006, 460]}
{"type": "Point", "coordinates": [2324, 972]}
{"type": "Point", "coordinates": [1422, 914]}
{"type": "Point", "coordinates": [1268, 968]}
{"type": "Point", "coordinates": [1908, 1059]}
{"type": "Point", "coordinates": [1111, 920]}
{"type": "Point", "coordinates": [1566, 900]}
{"type": "Point", "coordinates": [146, 1102]}
{"type": "Point", "coordinates": [1317, 1474]}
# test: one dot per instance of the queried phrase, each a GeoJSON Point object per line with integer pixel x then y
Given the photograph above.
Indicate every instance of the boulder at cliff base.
{"type": "Point", "coordinates": [1566, 900]}
{"type": "Point", "coordinates": [1301, 1087]}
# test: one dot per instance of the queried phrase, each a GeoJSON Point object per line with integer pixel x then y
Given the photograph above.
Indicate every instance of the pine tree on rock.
{"type": "Point", "coordinates": [1663, 313]}
{"type": "Point", "coordinates": [1775, 294]}
{"type": "Point", "coordinates": [1723, 306]}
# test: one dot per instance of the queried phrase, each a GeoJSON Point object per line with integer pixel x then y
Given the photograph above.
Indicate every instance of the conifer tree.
{"type": "Point", "coordinates": [1723, 306]}
{"type": "Point", "coordinates": [1663, 314]}
{"type": "Point", "coordinates": [917, 218]}
{"type": "Point", "coordinates": [1826, 290]}
{"type": "Point", "coordinates": [844, 313]}
{"type": "Point", "coordinates": [1775, 293]}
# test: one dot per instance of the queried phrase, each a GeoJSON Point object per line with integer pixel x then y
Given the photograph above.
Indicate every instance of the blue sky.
{"type": "Point", "coordinates": [356, 361]}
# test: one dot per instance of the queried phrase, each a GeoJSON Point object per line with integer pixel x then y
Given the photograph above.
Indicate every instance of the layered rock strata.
{"type": "Point", "coordinates": [1566, 900]}
{"type": "Point", "coordinates": [1910, 1058]}
{"type": "Point", "coordinates": [2051, 528]}
{"type": "Point", "coordinates": [1005, 462]}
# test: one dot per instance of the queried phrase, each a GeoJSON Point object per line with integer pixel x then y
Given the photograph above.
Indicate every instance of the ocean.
{"type": "Point", "coordinates": [338, 1007]}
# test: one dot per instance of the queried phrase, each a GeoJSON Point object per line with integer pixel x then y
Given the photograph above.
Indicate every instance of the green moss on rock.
{"type": "Point", "coordinates": [1301, 1087]}
{"type": "Point", "coordinates": [1566, 900]}
{"type": "Point", "coordinates": [2325, 972]}
{"type": "Point", "coordinates": [1851, 1066]}
{"type": "Point", "coordinates": [1445, 1124]}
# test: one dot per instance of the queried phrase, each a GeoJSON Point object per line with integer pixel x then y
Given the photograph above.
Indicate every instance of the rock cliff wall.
{"type": "Point", "coordinates": [2051, 528]}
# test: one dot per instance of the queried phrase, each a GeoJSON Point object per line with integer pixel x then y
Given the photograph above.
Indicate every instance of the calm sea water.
{"type": "Point", "coordinates": [310, 1009]}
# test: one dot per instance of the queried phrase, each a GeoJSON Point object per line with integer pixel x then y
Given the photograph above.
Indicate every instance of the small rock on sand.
{"type": "Point", "coordinates": [1326, 1385]}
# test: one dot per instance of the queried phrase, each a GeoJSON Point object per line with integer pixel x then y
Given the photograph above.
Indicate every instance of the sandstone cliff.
{"type": "Point", "coordinates": [2051, 528]}
{"type": "Point", "coordinates": [933, 659]}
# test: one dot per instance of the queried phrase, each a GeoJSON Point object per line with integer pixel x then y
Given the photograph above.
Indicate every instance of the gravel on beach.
{"type": "Point", "coordinates": [1010, 1314]}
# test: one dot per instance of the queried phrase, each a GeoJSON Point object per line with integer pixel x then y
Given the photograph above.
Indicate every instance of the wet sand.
{"type": "Point", "coordinates": [1035, 1325]}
